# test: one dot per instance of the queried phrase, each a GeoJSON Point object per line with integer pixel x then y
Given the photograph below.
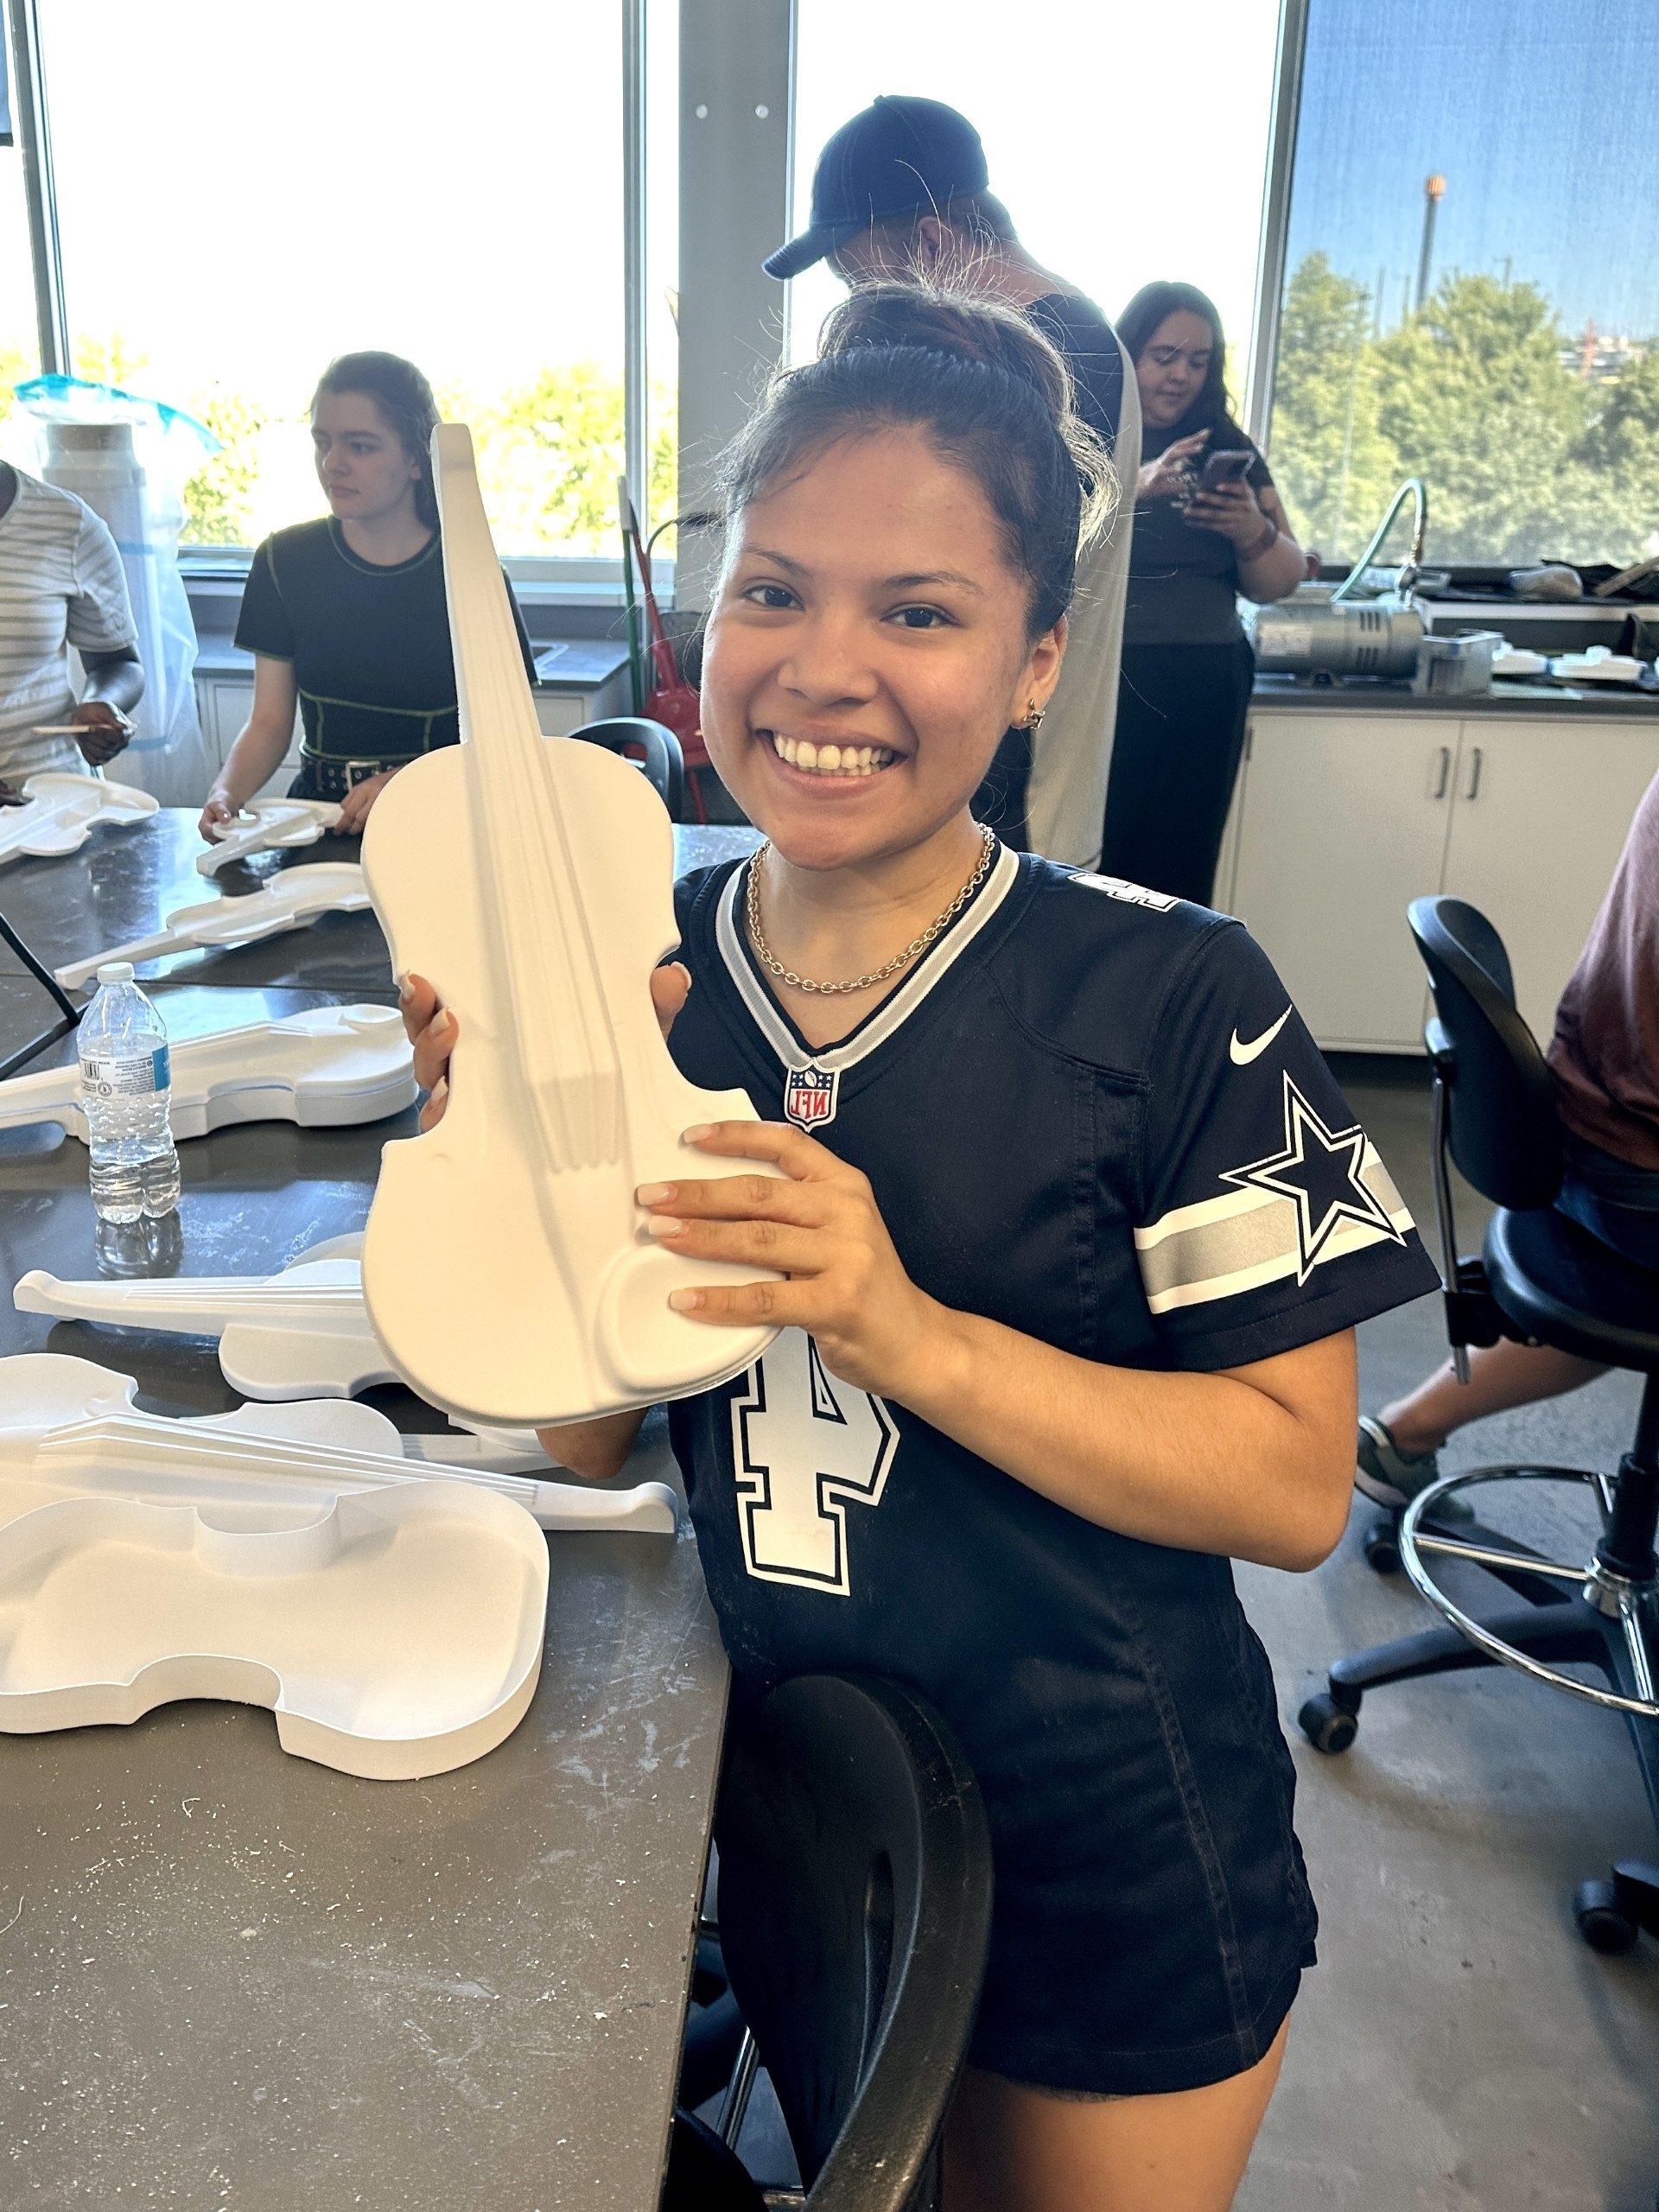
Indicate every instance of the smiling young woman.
{"type": "Point", "coordinates": [1073, 1229]}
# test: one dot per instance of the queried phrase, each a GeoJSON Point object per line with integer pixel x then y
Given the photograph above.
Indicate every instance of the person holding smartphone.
{"type": "Point", "coordinates": [1208, 526]}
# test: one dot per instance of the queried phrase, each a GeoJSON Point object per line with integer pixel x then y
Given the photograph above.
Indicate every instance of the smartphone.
{"type": "Point", "coordinates": [1223, 467]}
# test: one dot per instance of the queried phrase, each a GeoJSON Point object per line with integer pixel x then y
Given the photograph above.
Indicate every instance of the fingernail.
{"type": "Point", "coordinates": [663, 1225]}
{"type": "Point", "coordinates": [440, 1089]}
{"type": "Point", "coordinates": [405, 992]}
{"type": "Point", "coordinates": [654, 1194]}
{"type": "Point", "coordinates": [697, 1132]}
{"type": "Point", "coordinates": [686, 1301]}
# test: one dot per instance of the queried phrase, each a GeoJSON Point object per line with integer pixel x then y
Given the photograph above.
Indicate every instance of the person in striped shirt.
{"type": "Point", "coordinates": [61, 585]}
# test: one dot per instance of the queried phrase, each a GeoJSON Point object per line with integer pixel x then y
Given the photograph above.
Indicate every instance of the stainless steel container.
{"type": "Point", "coordinates": [1297, 637]}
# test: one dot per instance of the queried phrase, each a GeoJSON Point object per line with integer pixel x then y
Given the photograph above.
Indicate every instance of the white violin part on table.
{"type": "Point", "coordinates": [329, 1067]}
{"type": "Point", "coordinates": [394, 1627]}
{"type": "Point", "coordinates": [302, 1332]}
{"type": "Point", "coordinates": [59, 810]}
{"type": "Point", "coordinates": [288, 901]}
{"type": "Point", "coordinates": [393, 1635]}
{"type": "Point", "coordinates": [268, 825]}
{"type": "Point", "coordinates": [530, 880]}
{"type": "Point", "coordinates": [69, 1428]}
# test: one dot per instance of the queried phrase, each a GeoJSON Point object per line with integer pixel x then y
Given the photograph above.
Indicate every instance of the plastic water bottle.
{"type": "Point", "coordinates": [126, 1085]}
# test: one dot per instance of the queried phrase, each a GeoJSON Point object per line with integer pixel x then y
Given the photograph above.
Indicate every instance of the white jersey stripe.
{"type": "Point", "coordinates": [1206, 1212]}
{"type": "Point", "coordinates": [1350, 1237]}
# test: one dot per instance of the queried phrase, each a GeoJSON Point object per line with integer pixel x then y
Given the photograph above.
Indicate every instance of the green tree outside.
{"type": "Point", "coordinates": [1477, 393]}
{"type": "Point", "coordinates": [219, 499]}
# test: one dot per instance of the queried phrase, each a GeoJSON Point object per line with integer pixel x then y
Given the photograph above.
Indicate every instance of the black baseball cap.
{"type": "Point", "coordinates": [899, 156]}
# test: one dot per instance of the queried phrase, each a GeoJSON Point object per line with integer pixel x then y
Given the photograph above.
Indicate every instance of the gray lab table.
{"type": "Point", "coordinates": [232, 1978]}
{"type": "Point", "coordinates": [123, 882]}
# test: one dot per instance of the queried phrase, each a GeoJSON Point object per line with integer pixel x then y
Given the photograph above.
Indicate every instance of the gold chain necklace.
{"type": "Point", "coordinates": [770, 961]}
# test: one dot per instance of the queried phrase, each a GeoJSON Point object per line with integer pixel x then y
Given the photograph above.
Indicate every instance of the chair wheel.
{"type": "Point", "coordinates": [1382, 1548]}
{"type": "Point", "coordinates": [1325, 1724]}
{"type": "Point", "coordinates": [1602, 1922]}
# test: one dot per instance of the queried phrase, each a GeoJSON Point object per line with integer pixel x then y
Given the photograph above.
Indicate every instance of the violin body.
{"type": "Point", "coordinates": [529, 880]}
{"type": "Point", "coordinates": [505, 1286]}
{"type": "Point", "coordinates": [289, 901]}
{"type": "Point", "coordinates": [329, 1066]}
{"type": "Point", "coordinates": [59, 809]}
{"type": "Point", "coordinates": [268, 825]}
{"type": "Point", "coordinates": [393, 1634]}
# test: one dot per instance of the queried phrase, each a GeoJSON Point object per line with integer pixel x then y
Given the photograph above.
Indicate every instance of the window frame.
{"type": "Point", "coordinates": [584, 578]}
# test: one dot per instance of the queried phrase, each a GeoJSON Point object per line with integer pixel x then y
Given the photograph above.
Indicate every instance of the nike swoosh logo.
{"type": "Point", "coordinates": [1243, 1054]}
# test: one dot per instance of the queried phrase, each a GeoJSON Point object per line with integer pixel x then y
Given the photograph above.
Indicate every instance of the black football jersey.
{"type": "Point", "coordinates": [1088, 1112]}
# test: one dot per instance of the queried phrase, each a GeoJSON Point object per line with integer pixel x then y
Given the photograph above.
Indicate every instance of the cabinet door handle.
{"type": "Point", "coordinates": [1474, 772]}
{"type": "Point", "coordinates": [1438, 788]}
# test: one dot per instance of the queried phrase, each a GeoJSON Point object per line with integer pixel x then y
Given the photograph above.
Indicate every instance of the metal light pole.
{"type": "Point", "coordinates": [1433, 193]}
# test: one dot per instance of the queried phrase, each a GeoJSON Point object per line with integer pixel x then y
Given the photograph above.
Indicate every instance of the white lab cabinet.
{"type": "Point", "coordinates": [1342, 817]}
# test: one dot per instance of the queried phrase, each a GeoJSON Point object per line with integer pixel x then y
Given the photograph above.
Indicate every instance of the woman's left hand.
{"type": "Point", "coordinates": [821, 1229]}
{"type": "Point", "coordinates": [354, 807]}
{"type": "Point", "coordinates": [101, 731]}
{"type": "Point", "coordinates": [1233, 509]}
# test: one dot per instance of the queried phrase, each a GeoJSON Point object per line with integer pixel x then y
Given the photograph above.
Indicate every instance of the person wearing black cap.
{"type": "Point", "coordinates": [902, 192]}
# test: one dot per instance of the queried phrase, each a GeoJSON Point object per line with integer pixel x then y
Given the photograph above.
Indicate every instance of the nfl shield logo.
{"type": "Point", "coordinates": [810, 1096]}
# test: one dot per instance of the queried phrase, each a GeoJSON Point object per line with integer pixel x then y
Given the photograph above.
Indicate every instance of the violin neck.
{"type": "Point", "coordinates": [142, 1455]}
{"type": "Point", "coordinates": [554, 985]}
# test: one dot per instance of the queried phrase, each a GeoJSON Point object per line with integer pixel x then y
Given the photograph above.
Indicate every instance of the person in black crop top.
{"type": "Point", "coordinates": [346, 617]}
{"type": "Point", "coordinates": [1187, 667]}
{"type": "Point", "coordinates": [1070, 1232]}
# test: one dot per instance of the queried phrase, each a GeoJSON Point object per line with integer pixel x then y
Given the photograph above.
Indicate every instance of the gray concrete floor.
{"type": "Point", "coordinates": [1459, 2048]}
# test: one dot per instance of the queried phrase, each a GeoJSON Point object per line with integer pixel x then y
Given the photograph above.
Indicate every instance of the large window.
{"type": "Point", "coordinates": [1470, 294]}
{"type": "Point", "coordinates": [245, 191]}
{"type": "Point", "coordinates": [1125, 145]}
{"type": "Point", "coordinates": [19, 356]}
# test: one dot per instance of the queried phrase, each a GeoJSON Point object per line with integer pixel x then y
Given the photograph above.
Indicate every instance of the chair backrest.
{"type": "Point", "coordinates": [662, 759]}
{"type": "Point", "coordinates": [855, 1911]}
{"type": "Point", "coordinates": [1502, 1127]}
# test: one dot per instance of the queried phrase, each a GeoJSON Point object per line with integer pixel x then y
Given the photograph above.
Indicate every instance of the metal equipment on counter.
{"type": "Point", "coordinates": [1339, 636]}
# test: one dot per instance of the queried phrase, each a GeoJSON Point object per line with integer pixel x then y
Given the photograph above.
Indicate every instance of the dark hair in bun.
{"type": "Point", "coordinates": [991, 392]}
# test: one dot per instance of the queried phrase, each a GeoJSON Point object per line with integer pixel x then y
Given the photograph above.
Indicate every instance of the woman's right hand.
{"type": "Point", "coordinates": [1172, 475]}
{"type": "Point", "coordinates": [216, 816]}
{"type": "Point", "coordinates": [432, 1031]}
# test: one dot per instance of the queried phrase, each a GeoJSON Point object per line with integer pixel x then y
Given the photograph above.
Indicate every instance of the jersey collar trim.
{"type": "Point", "coordinates": [935, 963]}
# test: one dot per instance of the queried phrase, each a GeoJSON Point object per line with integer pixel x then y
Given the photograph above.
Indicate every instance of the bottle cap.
{"type": "Point", "coordinates": [115, 971]}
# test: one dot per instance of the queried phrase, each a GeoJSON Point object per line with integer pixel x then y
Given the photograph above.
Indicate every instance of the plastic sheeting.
{"type": "Point", "coordinates": [130, 458]}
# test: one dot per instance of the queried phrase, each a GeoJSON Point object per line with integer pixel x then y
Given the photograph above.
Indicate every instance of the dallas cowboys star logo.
{"type": "Point", "coordinates": [1318, 1170]}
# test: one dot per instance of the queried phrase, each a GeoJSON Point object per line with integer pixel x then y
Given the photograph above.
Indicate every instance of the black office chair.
{"type": "Point", "coordinates": [657, 749]}
{"type": "Point", "coordinates": [1541, 1279]}
{"type": "Point", "coordinates": [854, 1911]}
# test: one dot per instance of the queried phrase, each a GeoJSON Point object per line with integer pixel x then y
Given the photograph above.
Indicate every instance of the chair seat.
{"type": "Point", "coordinates": [1561, 1284]}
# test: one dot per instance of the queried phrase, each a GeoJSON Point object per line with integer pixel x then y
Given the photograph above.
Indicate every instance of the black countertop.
{"type": "Point", "coordinates": [1368, 695]}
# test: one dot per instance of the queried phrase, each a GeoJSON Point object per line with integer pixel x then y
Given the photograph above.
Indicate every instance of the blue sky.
{"type": "Point", "coordinates": [1542, 115]}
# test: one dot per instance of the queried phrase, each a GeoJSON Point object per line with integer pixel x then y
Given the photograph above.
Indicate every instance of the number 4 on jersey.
{"type": "Point", "coordinates": [804, 1444]}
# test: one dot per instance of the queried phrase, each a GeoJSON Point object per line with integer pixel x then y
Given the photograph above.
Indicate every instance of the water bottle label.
{"type": "Point", "coordinates": [126, 1078]}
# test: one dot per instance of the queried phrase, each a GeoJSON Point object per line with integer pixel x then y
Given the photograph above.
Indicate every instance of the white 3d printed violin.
{"type": "Point", "coordinates": [531, 881]}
